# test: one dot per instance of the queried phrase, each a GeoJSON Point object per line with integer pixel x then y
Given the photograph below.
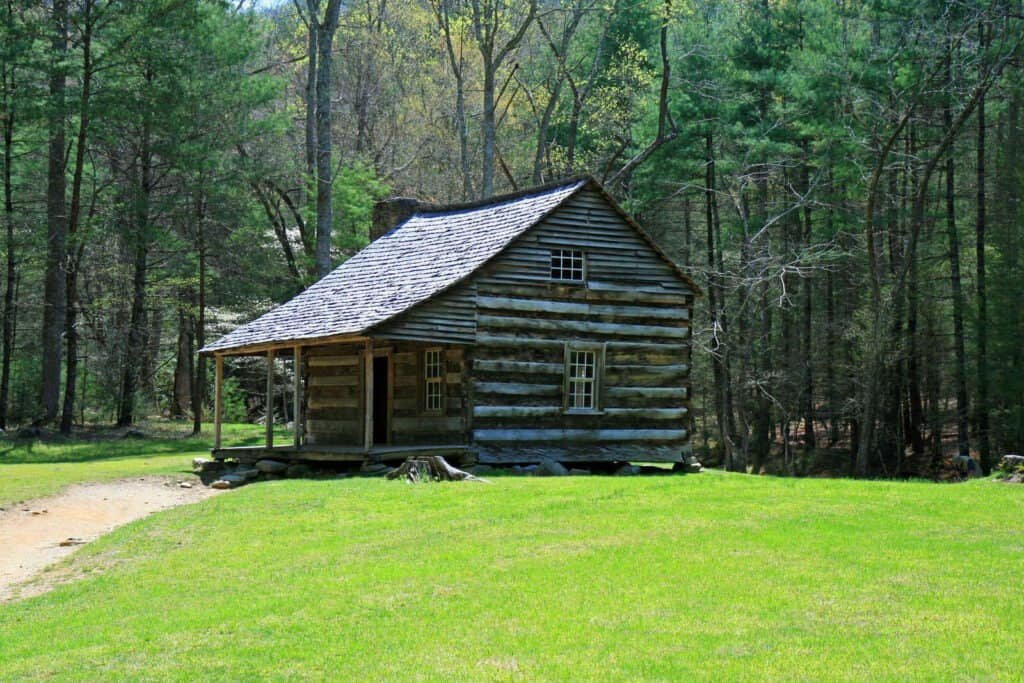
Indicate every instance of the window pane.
{"type": "Point", "coordinates": [582, 369]}
{"type": "Point", "coordinates": [432, 364]}
{"type": "Point", "coordinates": [434, 396]}
{"type": "Point", "coordinates": [567, 264]}
{"type": "Point", "coordinates": [433, 380]}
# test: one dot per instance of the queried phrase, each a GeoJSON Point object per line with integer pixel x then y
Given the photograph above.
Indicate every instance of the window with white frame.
{"type": "Point", "coordinates": [567, 265]}
{"type": "Point", "coordinates": [581, 378]}
{"type": "Point", "coordinates": [433, 380]}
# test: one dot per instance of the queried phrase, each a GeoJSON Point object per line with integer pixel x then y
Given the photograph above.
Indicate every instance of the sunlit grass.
{"type": "Point", "coordinates": [713, 577]}
{"type": "Point", "coordinates": [31, 468]}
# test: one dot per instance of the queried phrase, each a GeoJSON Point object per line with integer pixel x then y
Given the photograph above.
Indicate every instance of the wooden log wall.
{"type": "Point", "coordinates": [334, 395]}
{"type": "Point", "coordinates": [633, 305]}
{"type": "Point", "coordinates": [411, 423]}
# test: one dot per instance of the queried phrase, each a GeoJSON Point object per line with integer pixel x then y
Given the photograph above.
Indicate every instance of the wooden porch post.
{"type": "Point", "coordinates": [368, 395]}
{"type": "Point", "coordinates": [269, 417]}
{"type": "Point", "coordinates": [297, 415]}
{"type": "Point", "coordinates": [218, 398]}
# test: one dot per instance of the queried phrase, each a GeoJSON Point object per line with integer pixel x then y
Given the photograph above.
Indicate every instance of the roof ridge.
{"type": "Point", "coordinates": [428, 207]}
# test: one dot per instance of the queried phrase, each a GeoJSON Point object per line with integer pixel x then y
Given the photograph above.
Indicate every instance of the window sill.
{"type": "Point", "coordinates": [582, 411]}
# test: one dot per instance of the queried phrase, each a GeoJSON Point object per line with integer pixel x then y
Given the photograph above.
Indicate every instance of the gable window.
{"type": "Point", "coordinates": [567, 265]}
{"type": "Point", "coordinates": [582, 377]}
{"type": "Point", "coordinates": [433, 381]}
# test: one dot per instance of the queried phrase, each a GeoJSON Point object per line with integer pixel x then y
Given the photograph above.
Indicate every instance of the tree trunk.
{"type": "Point", "coordinates": [181, 394]}
{"type": "Point", "coordinates": [1008, 207]}
{"type": "Point", "coordinates": [55, 283]}
{"type": "Point", "coordinates": [67, 416]}
{"type": "Point", "coordinates": [573, 134]}
{"type": "Point", "coordinates": [687, 233]}
{"type": "Point", "coordinates": [936, 399]}
{"type": "Point", "coordinates": [728, 401]}
{"type": "Point", "coordinates": [74, 221]}
{"type": "Point", "coordinates": [139, 241]}
{"type": "Point", "coordinates": [136, 337]}
{"type": "Point", "coordinates": [488, 18]}
{"type": "Point", "coordinates": [9, 309]}
{"type": "Point", "coordinates": [763, 357]}
{"type": "Point", "coordinates": [915, 407]}
{"type": "Point", "coordinates": [808, 306]}
{"type": "Point", "coordinates": [981, 408]}
{"type": "Point", "coordinates": [541, 153]}
{"type": "Point", "coordinates": [747, 376]}
{"type": "Point", "coordinates": [199, 327]}
{"type": "Point", "coordinates": [361, 110]}
{"type": "Point", "coordinates": [719, 347]}
{"type": "Point", "coordinates": [442, 13]}
{"type": "Point", "coordinates": [489, 132]}
{"type": "Point", "coordinates": [311, 99]}
{"type": "Point", "coordinates": [8, 86]}
{"type": "Point", "coordinates": [831, 388]}
{"type": "Point", "coordinates": [892, 438]}
{"type": "Point", "coordinates": [762, 441]}
{"type": "Point", "coordinates": [324, 170]}
{"type": "Point", "coordinates": [830, 348]}
{"type": "Point", "coordinates": [154, 340]}
{"type": "Point", "coordinates": [963, 445]}
{"type": "Point", "coordinates": [463, 127]}
{"type": "Point", "coordinates": [916, 404]}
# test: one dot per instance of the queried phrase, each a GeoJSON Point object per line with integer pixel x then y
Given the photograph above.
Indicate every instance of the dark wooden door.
{"type": "Point", "coordinates": [380, 401]}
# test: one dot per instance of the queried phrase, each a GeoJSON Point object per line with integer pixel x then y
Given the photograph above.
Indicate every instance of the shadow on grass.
{"type": "Point", "coordinates": [113, 444]}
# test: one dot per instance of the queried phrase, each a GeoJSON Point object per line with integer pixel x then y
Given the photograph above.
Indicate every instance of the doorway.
{"type": "Point", "coordinates": [381, 428]}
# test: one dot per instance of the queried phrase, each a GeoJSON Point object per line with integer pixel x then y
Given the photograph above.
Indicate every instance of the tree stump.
{"type": "Point", "coordinates": [430, 468]}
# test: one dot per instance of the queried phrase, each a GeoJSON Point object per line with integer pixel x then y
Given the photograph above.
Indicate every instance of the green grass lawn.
{"type": "Point", "coordinates": [33, 468]}
{"type": "Point", "coordinates": [713, 577]}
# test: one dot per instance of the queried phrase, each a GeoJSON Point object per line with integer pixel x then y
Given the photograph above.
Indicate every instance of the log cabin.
{"type": "Point", "coordinates": [544, 323]}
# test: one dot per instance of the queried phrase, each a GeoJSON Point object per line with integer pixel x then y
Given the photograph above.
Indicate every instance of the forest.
{"type": "Point", "coordinates": [844, 180]}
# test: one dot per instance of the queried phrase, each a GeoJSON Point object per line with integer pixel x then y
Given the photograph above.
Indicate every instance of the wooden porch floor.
{"type": "Point", "coordinates": [312, 453]}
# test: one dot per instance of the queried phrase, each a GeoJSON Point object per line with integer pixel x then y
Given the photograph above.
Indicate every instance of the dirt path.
{"type": "Point", "coordinates": [37, 533]}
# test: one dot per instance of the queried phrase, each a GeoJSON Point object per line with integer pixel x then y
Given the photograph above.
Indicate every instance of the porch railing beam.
{"type": "Point", "coordinates": [297, 412]}
{"type": "Point", "coordinates": [218, 399]}
{"type": "Point", "coordinates": [368, 395]}
{"type": "Point", "coordinates": [269, 417]}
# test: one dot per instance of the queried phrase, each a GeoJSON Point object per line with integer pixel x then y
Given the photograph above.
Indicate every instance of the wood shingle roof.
{"type": "Point", "coordinates": [433, 250]}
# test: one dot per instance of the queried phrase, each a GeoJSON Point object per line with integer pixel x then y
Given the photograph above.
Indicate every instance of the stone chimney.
{"type": "Point", "coordinates": [389, 213]}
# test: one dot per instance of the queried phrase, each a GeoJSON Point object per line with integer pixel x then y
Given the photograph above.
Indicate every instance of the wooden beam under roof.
{"type": "Point", "coordinates": [288, 346]}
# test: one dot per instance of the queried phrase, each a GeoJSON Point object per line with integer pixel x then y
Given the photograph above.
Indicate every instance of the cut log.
{"type": "Point", "coordinates": [431, 468]}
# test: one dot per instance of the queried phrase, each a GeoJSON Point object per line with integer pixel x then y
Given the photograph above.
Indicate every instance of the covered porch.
{"type": "Point", "coordinates": [355, 399]}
